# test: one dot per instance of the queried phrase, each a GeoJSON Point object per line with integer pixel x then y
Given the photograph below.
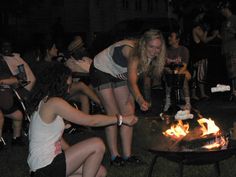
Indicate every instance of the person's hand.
{"type": "Point", "coordinates": [144, 106]}
{"type": "Point", "coordinates": [215, 33]}
{"type": "Point", "coordinates": [130, 120]}
{"type": "Point", "coordinates": [87, 59]}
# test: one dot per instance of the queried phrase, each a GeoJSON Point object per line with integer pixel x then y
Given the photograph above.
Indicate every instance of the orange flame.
{"type": "Point", "coordinates": [220, 142]}
{"type": "Point", "coordinates": [177, 130]}
{"type": "Point", "coordinates": [208, 126]}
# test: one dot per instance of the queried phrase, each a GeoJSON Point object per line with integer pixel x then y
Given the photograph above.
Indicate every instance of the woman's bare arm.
{"type": "Point", "coordinates": [64, 144]}
{"type": "Point", "coordinates": [88, 91]}
{"type": "Point", "coordinates": [9, 81]}
{"type": "Point", "coordinates": [132, 79]}
{"type": "Point", "coordinates": [58, 106]}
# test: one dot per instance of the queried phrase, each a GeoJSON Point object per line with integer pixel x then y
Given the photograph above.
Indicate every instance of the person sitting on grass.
{"type": "Point", "coordinates": [49, 153]}
{"type": "Point", "coordinates": [80, 91]}
{"type": "Point", "coordinates": [9, 109]}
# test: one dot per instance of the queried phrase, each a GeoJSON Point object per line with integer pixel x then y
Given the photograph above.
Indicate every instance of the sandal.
{"type": "Point", "coordinates": [194, 98]}
{"type": "Point", "coordinates": [205, 97]}
{"type": "Point", "coordinates": [118, 161]}
{"type": "Point", "coordinates": [134, 160]}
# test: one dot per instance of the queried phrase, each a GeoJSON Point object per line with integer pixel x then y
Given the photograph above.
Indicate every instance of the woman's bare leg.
{"type": "Point", "coordinates": [126, 107]}
{"type": "Point", "coordinates": [17, 118]}
{"type": "Point", "coordinates": [110, 105]}
{"type": "Point", "coordinates": [1, 122]}
{"type": "Point", "coordinates": [84, 100]}
{"type": "Point", "coordinates": [80, 87]}
{"type": "Point", "coordinates": [102, 172]}
{"type": "Point", "coordinates": [87, 154]}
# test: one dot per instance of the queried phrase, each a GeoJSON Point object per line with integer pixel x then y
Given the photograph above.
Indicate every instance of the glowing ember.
{"type": "Point", "coordinates": [220, 142]}
{"type": "Point", "coordinates": [208, 126]}
{"type": "Point", "coordinates": [177, 130]}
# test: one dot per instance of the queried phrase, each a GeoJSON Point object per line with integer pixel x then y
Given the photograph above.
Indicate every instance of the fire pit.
{"type": "Point", "coordinates": [199, 145]}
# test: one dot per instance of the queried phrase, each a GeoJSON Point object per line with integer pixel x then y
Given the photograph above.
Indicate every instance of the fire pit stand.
{"type": "Point", "coordinates": [192, 158]}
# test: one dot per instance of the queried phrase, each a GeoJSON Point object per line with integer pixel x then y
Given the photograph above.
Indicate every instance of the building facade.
{"type": "Point", "coordinates": [81, 16]}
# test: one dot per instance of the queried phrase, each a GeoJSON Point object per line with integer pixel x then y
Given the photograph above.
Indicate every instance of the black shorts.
{"type": "Point", "coordinates": [8, 103]}
{"type": "Point", "coordinates": [101, 80]}
{"type": "Point", "coordinates": [56, 169]}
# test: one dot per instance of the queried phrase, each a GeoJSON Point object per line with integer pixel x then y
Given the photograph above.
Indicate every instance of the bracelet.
{"type": "Point", "coordinates": [119, 119]}
{"type": "Point", "coordinates": [137, 98]}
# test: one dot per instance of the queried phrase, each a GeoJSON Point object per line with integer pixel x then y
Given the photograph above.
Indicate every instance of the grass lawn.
{"type": "Point", "coordinates": [163, 167]}
{"type": "Point", "coordinates": [13, 160]}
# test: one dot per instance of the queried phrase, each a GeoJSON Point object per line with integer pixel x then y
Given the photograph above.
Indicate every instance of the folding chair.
{"type": "Point", "coordinates": [26, 114]}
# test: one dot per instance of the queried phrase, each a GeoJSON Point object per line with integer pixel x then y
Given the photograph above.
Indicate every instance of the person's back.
{"type": "Point", "coordinates": [47, 134]}
{"type": "Point", "coordinates": [108, 62]}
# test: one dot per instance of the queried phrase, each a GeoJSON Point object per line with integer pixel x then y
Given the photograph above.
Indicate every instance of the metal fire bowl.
{"type": "Point", "coordinates": [196, 157]}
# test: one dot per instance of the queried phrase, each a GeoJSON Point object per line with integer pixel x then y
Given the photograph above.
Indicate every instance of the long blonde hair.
{"type": "Point", "coordinates": [156, 67]}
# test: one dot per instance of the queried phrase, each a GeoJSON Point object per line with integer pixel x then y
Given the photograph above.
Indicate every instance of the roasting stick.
{"type": "Point", "coordinates": [198, 113]}
{"type": "Point", "coordinates": [176, 142]}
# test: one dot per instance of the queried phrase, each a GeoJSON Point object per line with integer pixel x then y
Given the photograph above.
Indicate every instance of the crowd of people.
{"type": "Point", "coordinates": [49, 78]}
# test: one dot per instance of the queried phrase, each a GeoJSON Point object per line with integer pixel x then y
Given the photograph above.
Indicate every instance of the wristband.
{"type": "Point", "coordinates": [137, 99]}
{"type": "Point", "coordinates": [119, 119]}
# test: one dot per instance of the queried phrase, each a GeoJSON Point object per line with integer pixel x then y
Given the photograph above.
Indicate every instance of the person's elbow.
{"type": "Point", "coordinates": [33, 80]}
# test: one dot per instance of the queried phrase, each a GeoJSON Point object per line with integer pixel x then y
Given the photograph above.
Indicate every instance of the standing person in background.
{"type": "Point", "coordinates": [199, 61]}
{"type": "Point", "coordinates": [49, 153]}
{"type": "Point", "coordinates": [228, 36]}
{"type": "Point", "coordinates": [114, 74]}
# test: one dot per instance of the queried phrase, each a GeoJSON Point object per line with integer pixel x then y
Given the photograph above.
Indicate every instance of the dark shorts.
{"type": "Point", "coordinates": [101, 80]}
{"type": "Point", "coordinates": [8, 103]}
{"type": "Point", "coordinates": [56, 169]}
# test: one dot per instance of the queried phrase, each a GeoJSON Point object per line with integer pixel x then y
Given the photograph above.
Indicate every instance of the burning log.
{"type": "Point", "coordinates": [205, 136]}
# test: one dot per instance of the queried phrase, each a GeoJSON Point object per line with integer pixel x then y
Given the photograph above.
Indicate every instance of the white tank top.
{"type": "Point", "coordinates": [104, 61]}
{"type": "Point", "coordinates": [44, 140]}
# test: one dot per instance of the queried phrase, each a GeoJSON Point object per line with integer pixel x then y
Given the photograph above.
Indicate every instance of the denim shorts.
{"type": "Point", "coordinates": [101, 80]}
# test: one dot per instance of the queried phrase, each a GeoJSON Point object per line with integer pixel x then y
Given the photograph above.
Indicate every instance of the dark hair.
{"type": "Point", "coordinates": [51, 83]}
{"type": "Point", "coordinates": [224, 4]}
{"type": "Point", "coordinates": [46, 44]}
{"type": "Point", "coordinates": [177, 33]}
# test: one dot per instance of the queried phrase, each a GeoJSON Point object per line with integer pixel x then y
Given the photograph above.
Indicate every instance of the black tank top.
{"type": "Point", "coordinates": [118, 56]}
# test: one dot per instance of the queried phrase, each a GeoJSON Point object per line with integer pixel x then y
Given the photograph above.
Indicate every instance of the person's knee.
{"type": "Point", "coordinates": [84, 99]}
{"type": "Point", "coordinates": [98, 145]}
{"type": "Point", "coordinates": [1, 116]}
{"type": "Point", "coordinates": [17, 115]}
{"type": "Point", "coordinates": [102, 172]}
{"type": "Point", "coordinates": [80, 86]}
